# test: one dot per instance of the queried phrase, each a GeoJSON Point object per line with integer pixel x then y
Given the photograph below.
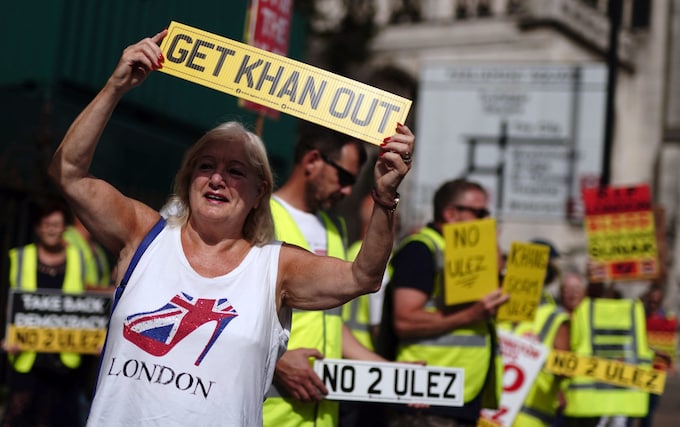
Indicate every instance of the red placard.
{"type": "Point", "coordinates": [619, 227]}
{"type": "Point", "coordinates": [615, 200]}
{"type": "Point", "coordinates": [268, 28]}
{"type": "Point", "coordinates": [662, 337]}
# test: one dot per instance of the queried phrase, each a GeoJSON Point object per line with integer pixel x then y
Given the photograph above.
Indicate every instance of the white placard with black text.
{"type": "Point", "coordinates": [391, 382]}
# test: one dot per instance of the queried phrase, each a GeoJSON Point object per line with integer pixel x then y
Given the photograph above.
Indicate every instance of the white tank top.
{"type": "Point", "coordinates": [187, 350]}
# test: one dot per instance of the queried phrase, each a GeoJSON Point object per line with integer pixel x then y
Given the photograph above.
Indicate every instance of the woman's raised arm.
{"type": "Point", "coordinates": [311, 282]}
{"type": "Point", "coordinates": [113, 219]}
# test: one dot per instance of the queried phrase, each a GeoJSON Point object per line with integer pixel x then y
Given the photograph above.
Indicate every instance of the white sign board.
{"type": "Point", "coordinates": [390, 382]}
{"type": "Point", "coordinates": [522, 361]}
{"type": "Point", "coordinates": [530, 133]}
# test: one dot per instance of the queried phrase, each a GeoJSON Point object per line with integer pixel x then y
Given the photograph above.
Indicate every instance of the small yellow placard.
{"type": "Point", "coordinates": [606, 371]}
{"type": "Point", "coordinates": [485, 422]}
{"type": "Point", "coordinates": [523, 281]}
{"type": "Point", "coordinates": [55, 340]}
{"type": "Point", "coordinates": [470, 260]}
{"type": "Point", "coordinates": [283, 84]}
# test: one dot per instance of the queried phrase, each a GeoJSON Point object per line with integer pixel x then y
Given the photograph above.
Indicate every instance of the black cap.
{"type": "Point", "coordinates": [554, 253]}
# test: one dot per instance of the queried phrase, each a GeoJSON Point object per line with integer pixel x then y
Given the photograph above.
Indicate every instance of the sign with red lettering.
{"type": "Point", "coordinates": [522, 361]}
{"type": "Point", "coordinates": [268, 23]}
{"type": "Point", "coordinates": [619, 227]}
{"type": "Point", "coordinates": [662, 337]}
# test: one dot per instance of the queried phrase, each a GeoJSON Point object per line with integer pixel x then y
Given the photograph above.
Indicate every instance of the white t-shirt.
{"type": "Point", "coordinates": [187, 350]}
{"type": "Point", "coordinates": [311, 226]}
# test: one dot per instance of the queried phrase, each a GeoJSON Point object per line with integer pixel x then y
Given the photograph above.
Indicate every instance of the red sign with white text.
{"type": "Point", "coordinates": [522, 361]}
{"type": "Point", "coordinates": [268, 29]}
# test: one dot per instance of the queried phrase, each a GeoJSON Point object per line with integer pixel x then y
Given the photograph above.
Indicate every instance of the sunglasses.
{"type": "Point", "coordinates": [345, 177]}
{"type": "Point", "coordinates": [479, 213]}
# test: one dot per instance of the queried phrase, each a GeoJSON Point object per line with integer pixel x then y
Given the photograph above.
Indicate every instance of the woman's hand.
{"type": "Point", "coordinates": [137, 62]}
{"type": "Point", "coordinates": [11, 349]}
{"type": "Point", "coordinates": [394, 162]}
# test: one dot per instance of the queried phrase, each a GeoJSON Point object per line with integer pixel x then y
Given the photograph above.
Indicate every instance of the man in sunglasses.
{"type": "Point", "coordinates": [464, 337]}
{"type": "Point", "coordinates": [327, 164]}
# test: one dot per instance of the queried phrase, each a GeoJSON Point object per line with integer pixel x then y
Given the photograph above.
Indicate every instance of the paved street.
{"type": "Point", "coordinates": [668, 414]}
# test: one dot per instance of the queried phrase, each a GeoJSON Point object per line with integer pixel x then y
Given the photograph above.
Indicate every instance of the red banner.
{"type": "Point", "coordinates": [268, 28]}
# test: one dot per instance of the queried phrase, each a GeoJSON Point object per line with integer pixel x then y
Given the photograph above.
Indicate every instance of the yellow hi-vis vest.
{"type": "Point", "coordinates": [472, 347]}
{"type": "Point", "coordinates": [356, 313]}
{"type": "Point", "coordinates": [539, 406]}
{"type": "Point", "coordinates": [23, 275]}
{"type": "Point", "coordinates": [321, 329]}
{"type": "Point", "coordinates": [97, 268]}
{"type": "Point", "coordinates": [611, 329]}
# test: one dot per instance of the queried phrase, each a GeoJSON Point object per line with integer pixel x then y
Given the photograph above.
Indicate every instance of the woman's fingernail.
{"type": "Point", "coordinates": [387, 139]}
{"type": "Point", "coordinates": [161, 57]}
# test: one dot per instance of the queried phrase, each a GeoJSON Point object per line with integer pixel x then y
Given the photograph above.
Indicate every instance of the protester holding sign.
{"type": "Point", "coordinates": [326, 166]}
{"type": "Point", "coordinates": [463, 337]}
{"type": "Point", "coordinates": [609, 329]}
{"type": "Point", "coordinates": [203, 306]}
{"type": "Point", "coordinates": [44, 387]}
{"type": "Point", "coordinates": [97, 266]}
{"type": "Point", "coordinates": [573, 289]}
{"type": "Point", "coordinates": [549, 327]}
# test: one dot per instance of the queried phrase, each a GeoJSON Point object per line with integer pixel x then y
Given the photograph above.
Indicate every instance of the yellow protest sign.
{"type": "Point", "coordinates": [525, 271]}
{"type": "Point", "coordinates": [606, 371]}
{"type": "Point", "coordinates": [54, 340]}
{"type": "Point", "coordinates": [485, 422]}
{"type": "Point", "coordinates": [286, 85]}
{"type": "Point", "coordinates": [470, 260]}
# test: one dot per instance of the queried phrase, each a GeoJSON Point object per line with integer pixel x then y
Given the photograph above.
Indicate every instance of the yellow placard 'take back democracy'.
{"type": "Point", "coordinates": [286, 85]}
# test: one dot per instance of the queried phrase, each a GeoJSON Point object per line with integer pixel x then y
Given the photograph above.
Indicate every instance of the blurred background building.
{"type": "Point", "coordinates": [627, 121]}
{"type": "Point", "coordinates": [525, 83]}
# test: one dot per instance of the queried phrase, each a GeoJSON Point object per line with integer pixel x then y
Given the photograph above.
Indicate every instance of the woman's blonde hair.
{"type": "Point", "coordinates": [259, 226]}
